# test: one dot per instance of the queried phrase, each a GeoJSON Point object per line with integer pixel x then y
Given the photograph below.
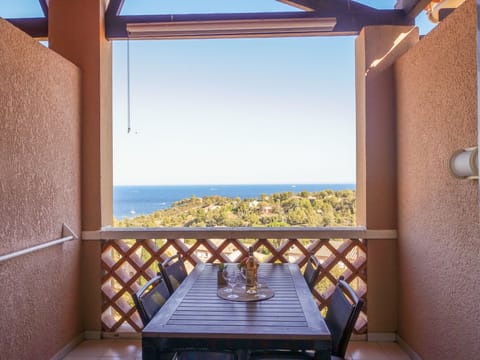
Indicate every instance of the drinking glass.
{"type": "Point", "coordinates": [261, 281]}
{"type": "Point", "coordinates": [231, 276]}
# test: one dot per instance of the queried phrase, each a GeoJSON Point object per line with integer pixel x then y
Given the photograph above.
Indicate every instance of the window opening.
{"type": "Point", "coordinates": [256, 116]}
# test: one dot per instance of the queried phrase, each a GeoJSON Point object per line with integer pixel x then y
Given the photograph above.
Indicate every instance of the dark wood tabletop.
{"type": "Point", "coordinates": [196, 318]}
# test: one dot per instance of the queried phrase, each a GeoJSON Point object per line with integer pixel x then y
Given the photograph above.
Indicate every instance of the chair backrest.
{"type": "Point", "coordinates": [150, 298]}
{"type": "Point", "coordinates": [342, 315]}
{"type": "Point", "coordinates": [173, 271]}
{"type": "Point", "coordinates": [311, 271]}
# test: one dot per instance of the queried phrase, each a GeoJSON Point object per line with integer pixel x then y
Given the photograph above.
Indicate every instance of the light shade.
{"type": "Point", "coordinates": [231, 28]}
{"type": "Point", "coordinates": [463, 163]}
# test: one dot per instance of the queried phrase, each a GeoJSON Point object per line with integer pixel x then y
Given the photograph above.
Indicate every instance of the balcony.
{"type": "Point", "coordinates": [130, 257]}
{"type": "Point", "coordinates": [416, 261]}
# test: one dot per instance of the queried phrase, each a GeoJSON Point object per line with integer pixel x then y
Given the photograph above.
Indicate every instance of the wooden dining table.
{"type": "Point", "coordinates": [196, 318]}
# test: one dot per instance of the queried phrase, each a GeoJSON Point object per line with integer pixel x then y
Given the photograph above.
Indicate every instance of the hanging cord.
{"type": "Point", "coordinates": [129, 127]}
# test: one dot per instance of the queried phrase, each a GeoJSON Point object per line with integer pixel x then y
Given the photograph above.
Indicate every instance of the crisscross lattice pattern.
{"type": "Point", "coordinates": [129, 263]}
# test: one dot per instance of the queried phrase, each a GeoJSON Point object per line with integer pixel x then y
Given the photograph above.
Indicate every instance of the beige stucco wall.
{"type": "Point", "coordinates": [39, 190]}
{"type": "Point", "coordinates": [376, 170]}
{"type": "Point", "coordinates": [76, 31]}
{"type": "Point", "coordinates": [439, 232]}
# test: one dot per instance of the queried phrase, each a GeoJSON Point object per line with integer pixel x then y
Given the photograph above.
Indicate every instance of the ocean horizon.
{"type": "Point", "coordinates": [135, 200]}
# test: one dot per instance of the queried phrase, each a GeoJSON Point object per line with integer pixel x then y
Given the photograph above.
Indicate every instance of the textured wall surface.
{"type": "Point", "coordinates": [376, 172]}
{"type": "Point", "coordinates": [76, 31]}
{"type": "Point", "coordinates": [439, 237]}
{"type": "Point", "coordinates": [39, 190]}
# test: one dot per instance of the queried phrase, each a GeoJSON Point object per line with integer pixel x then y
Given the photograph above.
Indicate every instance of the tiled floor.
{"type": "Point", "coordinates": [107, 350]}
{"type": "Point", "coordinates": [132, 350]}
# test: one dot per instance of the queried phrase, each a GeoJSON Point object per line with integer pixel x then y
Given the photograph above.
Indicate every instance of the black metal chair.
{"type": "Point", "coordinates": [148, 301]}
{"type": "Point", "coordinates": [150, 298]}
{"type": "Point", "coordinates": [173, 271]}
{"type": "Point", "coordinates": [341, 317]}
{"type": "Point", "coordinates": [312, 270]}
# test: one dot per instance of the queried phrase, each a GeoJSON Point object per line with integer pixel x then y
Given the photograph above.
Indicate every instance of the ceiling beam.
{"type": "Point", "coordinates": [351, 23]}
{"type": "Point", "coordinates": [347, 22]}
{"type": "Point", "coordinates": [35, 27]}
{"type": "Point", "coordinates": [44, 6]}
{"type": "Point", "coordinates": [412, 8]}
{"type": "Point", "coordinates": [114, 8]}
{"type": "Point", "coordinates": [350, 17]}
{"type": "Point", "coordinates": [323, 5]}
{"type": "Point", "coordinates": [305, 5]}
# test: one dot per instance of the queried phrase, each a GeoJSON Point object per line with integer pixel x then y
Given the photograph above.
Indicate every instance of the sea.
{"type": "Point", "coordinates": [134, 200]}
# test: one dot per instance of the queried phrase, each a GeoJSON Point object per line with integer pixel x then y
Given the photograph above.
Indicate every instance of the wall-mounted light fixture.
{"type": "Point", "coordinates": [230, 28]}
{"type": "Point", "coordinates": [463, 163]}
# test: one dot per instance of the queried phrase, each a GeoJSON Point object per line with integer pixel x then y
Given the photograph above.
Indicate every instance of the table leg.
{"type": "Point", "coordinates": [321, 355]}
{"type": "Point", "coordinates": [242, 354]}
{"type": "Point", "coordinates": [151, 350]}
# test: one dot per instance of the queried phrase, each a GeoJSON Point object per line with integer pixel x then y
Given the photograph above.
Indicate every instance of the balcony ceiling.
{"type": "Point", "coordinates": [346, 17]}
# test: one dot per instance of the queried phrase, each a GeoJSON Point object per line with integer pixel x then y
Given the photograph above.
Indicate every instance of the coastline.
{"type": "Point", "coordinates": [135, 200]}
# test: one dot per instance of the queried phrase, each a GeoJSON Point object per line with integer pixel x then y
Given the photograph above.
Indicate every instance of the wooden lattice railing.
{"type": "Point", "coordinates": [130, 257]}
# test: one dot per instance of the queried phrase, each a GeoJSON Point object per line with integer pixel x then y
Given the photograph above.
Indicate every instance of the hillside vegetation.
{"type": "Point", "coordinates": [324, 208]}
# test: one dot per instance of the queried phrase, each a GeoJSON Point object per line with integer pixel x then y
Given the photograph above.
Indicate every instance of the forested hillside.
{"type": "Point", "coordinates": [324, 208]}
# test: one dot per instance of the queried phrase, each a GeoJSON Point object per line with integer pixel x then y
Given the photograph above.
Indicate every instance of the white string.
{"type": "Point", "coordinates": [129, 128]}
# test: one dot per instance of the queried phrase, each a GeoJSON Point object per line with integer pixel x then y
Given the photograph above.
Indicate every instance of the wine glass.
{"type": "Point", "coordinates": [231, 276]}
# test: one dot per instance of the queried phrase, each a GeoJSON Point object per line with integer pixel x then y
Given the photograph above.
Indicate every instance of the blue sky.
{"type": "Point", "coordinates": [235, 111]}
{"type": "Point", "coordinates": [202, 6]}
{"type": "Point", "coordinates": [230, 111]}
